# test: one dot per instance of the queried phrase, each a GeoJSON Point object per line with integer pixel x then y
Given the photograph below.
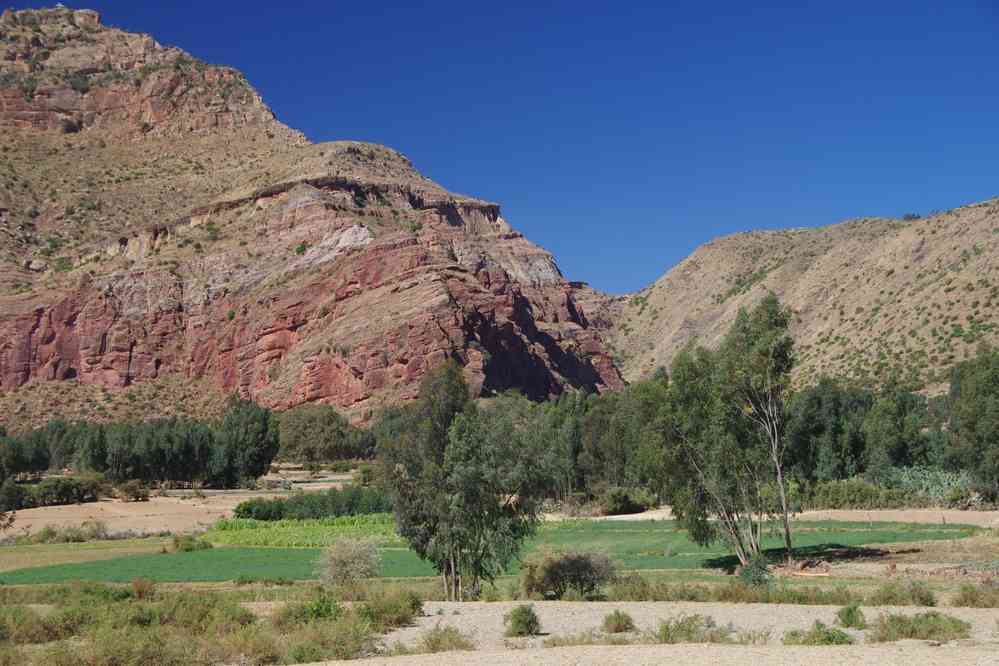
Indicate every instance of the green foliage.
{"type": "Point", "coordinates": [912, 593]}
{"type": "Point", "coordinates": [819, 634]}
{"type": "Point", "coordinates": [756, 572]}
{"type": "Point", "coordinates": [189, 544]}
{"type": "Point", "coordinates": [319, 532]}
{"type": "Point", "coordinates": [851, 617]}
{"type": "Point", "coordinates": [522, 621]}
{"type": "Point", "coordinates": [466, 483]}
{"type": "Point", "coordinates": [617, 622]}
{"type": "Point", "coordinates": [316, 434]}
{"type": "Point", "coordinates": [444, 639]}
{"type": "Point", "coordinates": [929, 626]}
{"type": "Point", "coordinates": [691, 629]}
{"type": "Point", "coordinates": [621, 501]}
{"type": "Point", "coordinates": [974, 406]}
{"type": "Point", "coordinates": [133, 491]}
{"type": "Point", "coordinates": [552, 574]}
{"type": "Point", "coordinates": [860, 494]}
{"type": "Point", "coordinates": [330, 503]}
{"type": "Point", "coordinates": [977, 596]}
{"type": "Point", "coordinates": [391, 609]}
{"type": "Point", "coordinates": [320, 606]}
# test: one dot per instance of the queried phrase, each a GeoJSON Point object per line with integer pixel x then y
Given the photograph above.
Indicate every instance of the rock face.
{"type": "Point", "coordinates": [283, 271]}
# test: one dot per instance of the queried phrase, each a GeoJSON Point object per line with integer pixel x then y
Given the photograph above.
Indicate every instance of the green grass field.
{"type": "Point", "coordinates": [639, 545]}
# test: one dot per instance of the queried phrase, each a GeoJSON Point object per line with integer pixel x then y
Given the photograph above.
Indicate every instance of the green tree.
{"type": "Point", "coordinates": [825, 434]}
{"type": "Point", "coordinates": [894, 431]}
{"type": "Point", "coordinates": [316, 434]}
{"type": "Point", "coordinates": [757, 357]}
{"type": "Point", "coordinates": [466, 483]}
{"type": "Point", "coordinates": [974, 420]}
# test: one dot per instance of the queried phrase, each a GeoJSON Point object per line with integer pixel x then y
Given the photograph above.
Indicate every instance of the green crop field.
{"type": "Point", "coordinates": [634, 544]}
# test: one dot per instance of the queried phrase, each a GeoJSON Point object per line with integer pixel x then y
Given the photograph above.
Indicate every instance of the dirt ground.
{"type": "Point", "coordinates": [483, 623]}
{"type": "Point", "coordinates": [159, 514]}
{"type": "Point", "coordinates": [899, 654]}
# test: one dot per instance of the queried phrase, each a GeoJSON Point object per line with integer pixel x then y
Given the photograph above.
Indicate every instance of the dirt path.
{"type": "Point", "coordinates": [901, 654]}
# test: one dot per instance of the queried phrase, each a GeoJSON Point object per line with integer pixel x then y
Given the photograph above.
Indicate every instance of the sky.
{"type": "Point", "coordinates": [622, 135]}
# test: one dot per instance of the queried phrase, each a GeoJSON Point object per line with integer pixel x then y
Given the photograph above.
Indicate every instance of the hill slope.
{"type": "Point", "coordinates": [166, 241]}
{"type": "Point", "coordinates": [873, 298]}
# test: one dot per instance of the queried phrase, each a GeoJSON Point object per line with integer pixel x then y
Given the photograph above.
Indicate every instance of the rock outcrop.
{"type": "Point", "coordinates": [210, 242]}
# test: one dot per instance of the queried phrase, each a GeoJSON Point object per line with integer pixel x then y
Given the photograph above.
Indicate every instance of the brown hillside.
{"type": "Point", "coordinates": [164, 241]}
{"type": "Point", "coordinates": [873, 298]}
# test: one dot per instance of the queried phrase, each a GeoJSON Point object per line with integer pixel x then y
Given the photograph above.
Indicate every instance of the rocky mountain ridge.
{"type": "Point", "coordinates": [163, 233]}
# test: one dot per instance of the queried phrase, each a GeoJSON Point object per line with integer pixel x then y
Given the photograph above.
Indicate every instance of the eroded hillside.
{"type": "Point", "coordinates": [873, 298]}
{"type": "Point", "coordinates": [163, 235]}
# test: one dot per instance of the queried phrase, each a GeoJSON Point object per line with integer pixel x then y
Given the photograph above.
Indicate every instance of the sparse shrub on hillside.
{"type": "Point", "coordinates": [522, 621]}
{"type": "Point", "coordinates": [929, 626]}
{"type": "Point", "coordinates": [552, 574]}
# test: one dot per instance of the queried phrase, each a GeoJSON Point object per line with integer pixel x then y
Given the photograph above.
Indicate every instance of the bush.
{"type": "Point", "coordinates": [819, 634]}
{"type": "Point", "coordinates": [133, 491]}
{"type": "Point", "coordinates": [349, 561]}
{"type": "Point", "coordinates": [692, 629]}
{"type": "Point", "coordinates": [617, 501]}
{"type": "Point", "coordinates": [321, 607]}
{"type": "Point", "coordinates": [977, 596]}
{"type": "Point", "coordinates": [332, 503]}
{"type": "Point", "coordinates": [391, 609]}
{"type": "Point", "coordinates": [552, 574]}
{"type": "Point", "coordinates": [929, 626]}
{"type": "Point", "coordinates": [189, 544]}
{"type": "Point", "coordinates": [757, 572]}
{"type": "Point", "coordinates": [859, 494]}
{"type": "Point", "coordinates": [444, 639]}
{"type": "Point", "coordinates": [143, 588]}
{"type": "Point", "coordinates": [914, 593]}
{"type": "Point", "coordinates": [348, 637]}
{"type": "Point", "coordinates": [522, 621]}
{"type": "Point", "coordinates": [617, 622]}
{"type": "Point", "coordinates": [851, 617]}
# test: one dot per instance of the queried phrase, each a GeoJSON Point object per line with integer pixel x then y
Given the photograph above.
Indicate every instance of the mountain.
{"type": "Point", "coordinates": [873, 298]}
{"type": "Point", "coordinates": [166, 241]}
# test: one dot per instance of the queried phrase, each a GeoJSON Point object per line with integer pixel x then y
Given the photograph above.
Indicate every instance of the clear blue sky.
{"type": "Point", "coordinates": [622, 135]}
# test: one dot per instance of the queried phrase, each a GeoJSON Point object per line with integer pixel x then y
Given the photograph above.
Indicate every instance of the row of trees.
{"type": "Point", "coordinates": [720, 437]}
{"type": "Point", "coordinates": [239, 447]}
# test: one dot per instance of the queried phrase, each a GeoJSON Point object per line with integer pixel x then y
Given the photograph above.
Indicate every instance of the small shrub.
{"type": "Point", "coordinates": [913, 593]}
{"type": "Point", "coordinates": [692, 629]}
{"type": "Point", "coordinates": [552, 574]}
{"type": "Point", "coordinates": [819, 634]}
{"type": "Point", "coordinates": [757, 572]}
{"type": "Point", "coordinates": [977, 596]}
{"type": "Point", "coordinates": [391, 609]}
{"type": "Point", "coordinates": [851, 617]}
{"type": "Point", "coordinates": [444, 639]}
{"type": "Point", "coordinates": [348, 637]}
{"type": "Point", "coordinates": [522, 621]}
{"type": "Point", "coordinates": [617, 622]}
{"type": "Point", "coordinates": [143, 588]}
{"type": "Point", "coordinates": [349, 561]}
{"type": "Point", "coordinates": [929, 626]}
{"type": "Point", "coordinates": [321, 607]}
{"type": "Point", "coordinates": [189, 544]}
